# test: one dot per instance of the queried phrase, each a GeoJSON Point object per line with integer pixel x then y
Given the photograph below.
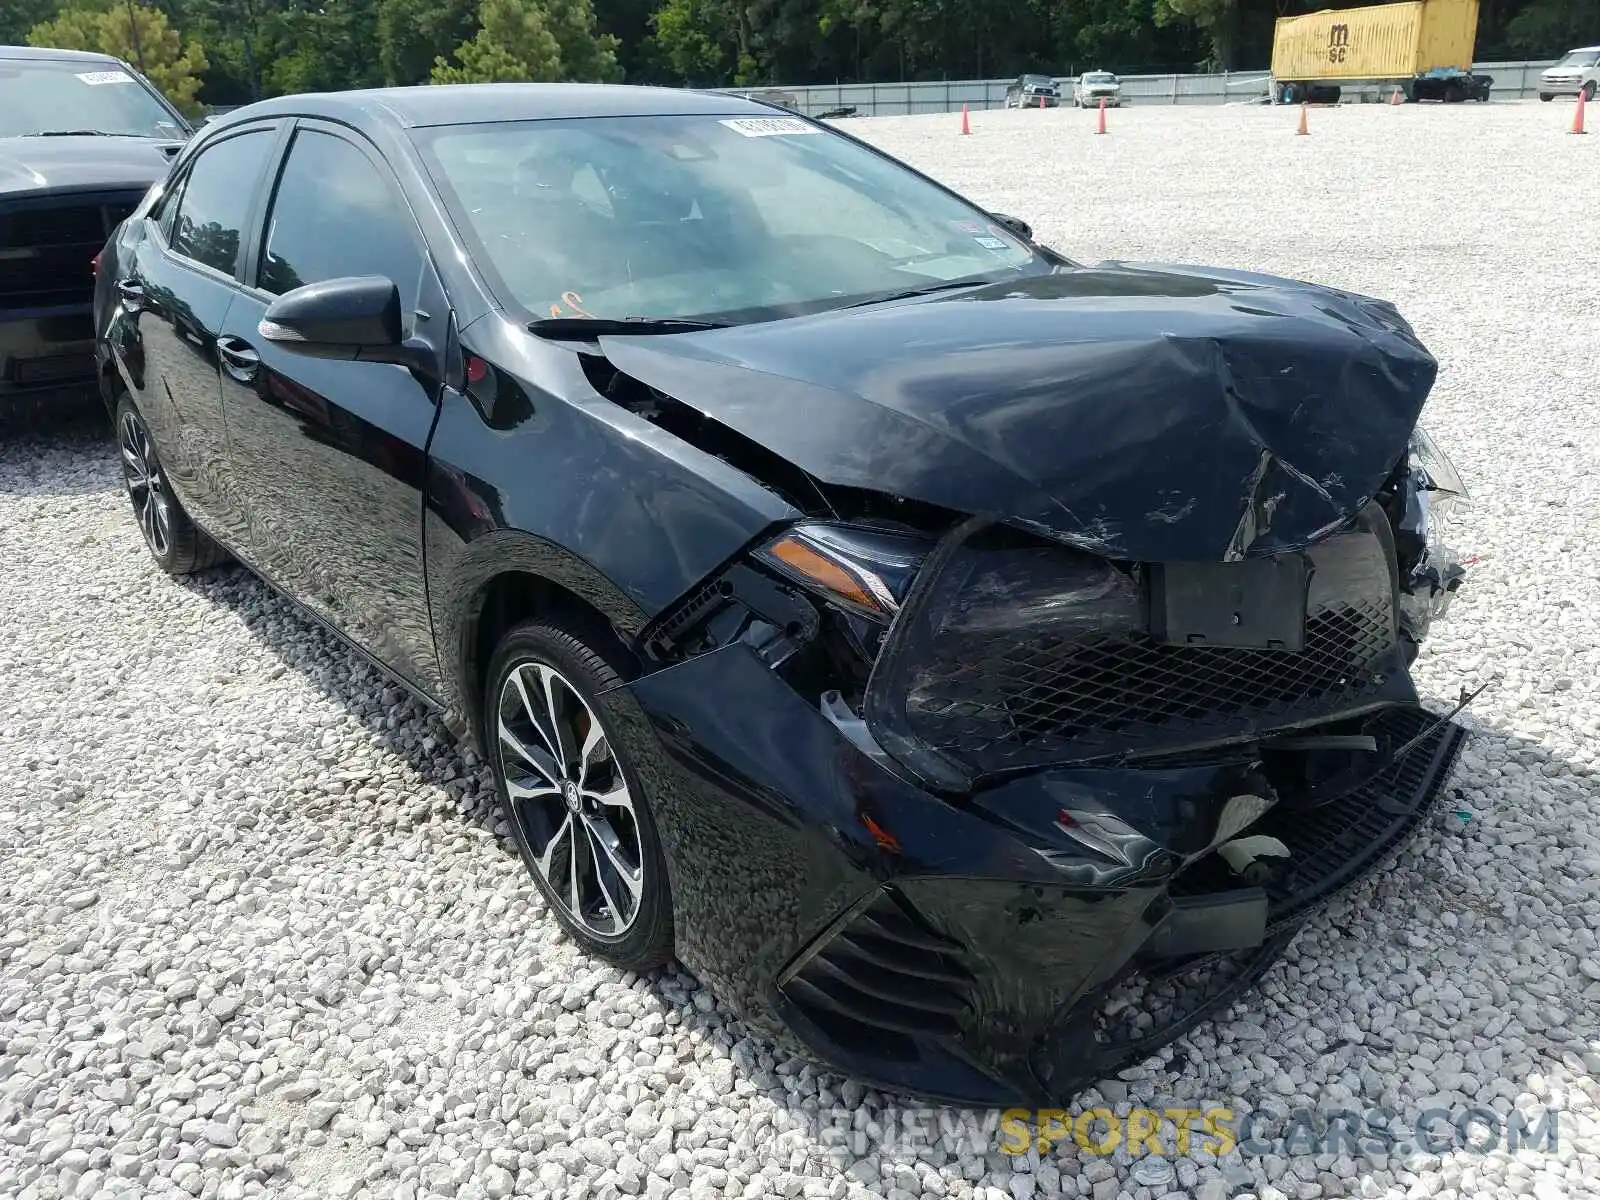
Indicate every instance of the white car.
{"type": "Point", "coordinates": [1578, 71]}
{"type": "Point", "coordinates": [1094, 86]}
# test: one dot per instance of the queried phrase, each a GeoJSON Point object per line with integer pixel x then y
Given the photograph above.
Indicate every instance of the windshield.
{"type": "Point", "coordinates": [1580, 58]}
{"type": "Point", "coordinates": [40, 96]}
{"type": "Point", "coordinates": [703, 217]}
{"type": "Point", "coordinates": [1038, 81]}
{"type": "Point", "coordinates": [1099, 77]}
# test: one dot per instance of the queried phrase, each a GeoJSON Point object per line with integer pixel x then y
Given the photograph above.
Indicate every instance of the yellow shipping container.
{"type": "Point", "coordinates": [1385, 41]}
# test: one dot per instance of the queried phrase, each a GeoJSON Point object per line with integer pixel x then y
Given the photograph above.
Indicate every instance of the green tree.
{"type": "Point", "coordinates": [141, 36]}
{"type": "Point", "coordinates": [19, 16]}
{"type": "Point", "coordinates": [1551, 27]}
{"type": "Point", "coordinates": [528, 40]}
{"type": "Point", "coordinates": [586, 53]}
{"type": "Point", "coordinates": [413, 33]}
{"type": "Point", "coordinates": [687, 42]}
{"type": "Point", "coordinates": [322, 46]}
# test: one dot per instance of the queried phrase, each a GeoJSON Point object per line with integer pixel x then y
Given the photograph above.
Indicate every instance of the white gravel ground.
{"type": "Point", "coordinates": [258, 937]}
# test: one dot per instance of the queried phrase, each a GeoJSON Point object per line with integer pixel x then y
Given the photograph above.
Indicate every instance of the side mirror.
{"type": "Point", "coordinates": [352, 318]}
{"type": "Point", "coordinates": [1016, 225]}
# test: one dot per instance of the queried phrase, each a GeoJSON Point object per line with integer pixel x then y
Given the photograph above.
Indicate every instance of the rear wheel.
{"type": "Point", "coordinates": [572, 798]}
{"type": "Point", "coordinates": [179, 546]}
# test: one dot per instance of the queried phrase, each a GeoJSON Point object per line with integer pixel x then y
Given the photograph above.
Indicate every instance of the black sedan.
{"type": "Point", "coordinates": [973, 663]}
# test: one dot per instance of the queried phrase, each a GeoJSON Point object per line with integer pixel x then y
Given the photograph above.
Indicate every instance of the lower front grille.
{"type": "Point", "coordinates": [1336, 843]}
{"type": "Point", "coordinates": [883, 978]}
{"type": "Point", "coordinates": [53, 370]}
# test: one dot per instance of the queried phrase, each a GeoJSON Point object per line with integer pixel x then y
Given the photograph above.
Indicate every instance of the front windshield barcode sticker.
{"type": "Point", "coordinates": [769, 126]}
{"type": "Point", "coordinates": [95, 78]}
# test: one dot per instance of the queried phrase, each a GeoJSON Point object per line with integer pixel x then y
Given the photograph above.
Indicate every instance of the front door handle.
{"type": "Point", "coordinates": [238, 359]}
{"type": "Point", "coordinates": [132, 293]}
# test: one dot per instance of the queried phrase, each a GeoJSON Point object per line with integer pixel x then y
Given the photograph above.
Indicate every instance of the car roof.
{"type": "Point", "coordinates": [1584, 50]}
{"type": "Point", "coordinates": [47, 53]}
{"type": "Point", "coordinates": [479, 103]}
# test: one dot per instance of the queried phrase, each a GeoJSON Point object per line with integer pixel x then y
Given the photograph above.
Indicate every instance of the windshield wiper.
{"type": "Point", "coordinates": [926, 289]}
{"type": "Point", "coordinates": [69, 133]}
{"type": "Point", "coordinates": [588, 327]}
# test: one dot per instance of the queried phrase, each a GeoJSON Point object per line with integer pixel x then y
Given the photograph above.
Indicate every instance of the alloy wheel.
{"type": "Point", "coordinates": [570, 799]}
{"type": "Point", "coordinates": [142, 471]}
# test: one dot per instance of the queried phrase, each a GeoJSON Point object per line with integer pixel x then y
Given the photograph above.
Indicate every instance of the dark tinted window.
{"type": "Point", "coordinates": [216, 200]}
{"type": "Point", "coordinates": [336, 215]}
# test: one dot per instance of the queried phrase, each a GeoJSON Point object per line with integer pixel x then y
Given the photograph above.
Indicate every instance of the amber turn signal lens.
{"type": "Point", "coordinates": [826, 574]}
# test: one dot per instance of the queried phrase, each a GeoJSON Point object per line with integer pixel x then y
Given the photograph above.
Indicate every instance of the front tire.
{"type": "Point", "coordinates": [1546, 97]}
{"type": "Point", "coordinates": [179, 546]}
{"type": "Point", "coordinates": [575, 805]}
{"type": "Point", "coordinates": [1588, 91]}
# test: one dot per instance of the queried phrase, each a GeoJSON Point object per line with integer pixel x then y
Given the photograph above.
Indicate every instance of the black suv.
{"type": "Point", "coordinates": [82, 138]}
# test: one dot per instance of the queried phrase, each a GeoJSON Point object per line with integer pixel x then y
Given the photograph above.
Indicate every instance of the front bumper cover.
{"type": "Point", "coordinates": [1009, 946]}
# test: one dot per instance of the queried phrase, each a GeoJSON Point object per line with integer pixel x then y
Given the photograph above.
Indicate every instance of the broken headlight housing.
{"type": "Point", "coordinates": [862, 574]}
{"type": "Point", "coordinates": [1438, 481]}
{"type": "Point", "coordinates": [863, 571]}
{"type": "Point", "coordinates": [1431, 494]}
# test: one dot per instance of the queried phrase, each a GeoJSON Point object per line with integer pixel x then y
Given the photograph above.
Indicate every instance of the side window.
{"type": "Point", "coordinates": [166, 209]}
{"type": "Point", "coordinates": [215, 200]}
{"type": "Point", "coordinates": [335, 215]}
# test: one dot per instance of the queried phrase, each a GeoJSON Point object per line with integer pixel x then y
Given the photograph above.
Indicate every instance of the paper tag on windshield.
{"type": "Point", "coordinates": [769, 126]}
{"type": "Point", "coordinates": [96, 78]}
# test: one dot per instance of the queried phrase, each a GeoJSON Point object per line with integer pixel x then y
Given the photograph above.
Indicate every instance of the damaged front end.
{"type": "Point", "coordinates": [1029, 794]}
{"type": "Point", "coordinates": [1191, 758]}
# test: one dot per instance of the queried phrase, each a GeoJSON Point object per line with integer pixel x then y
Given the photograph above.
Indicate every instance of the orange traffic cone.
{"type": "Point", "coordinates": [1396, 97]}
{"type": "Point", "coordinates": [1102, 128]}
{"type": "Point", "coordinates": [966, 126]}
{"type": "Point", "coordinates": [1041, 101]}
{"type": "Point", "coordinates": [1302, 131]}
{"type": "Point", "coordinates": [1577, 116]}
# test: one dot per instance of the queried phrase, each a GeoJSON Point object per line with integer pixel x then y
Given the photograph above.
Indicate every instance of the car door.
{"type": "Point", "coordinates": [334, 451]}
{"type": "Point", "coordinates": [175, 294]}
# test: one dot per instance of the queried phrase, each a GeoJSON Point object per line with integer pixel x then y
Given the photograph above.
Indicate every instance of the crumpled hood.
{"type": "Point", "coordinates": [42, 164]}
{"type": "Point", "coordinates": [1146, 413]}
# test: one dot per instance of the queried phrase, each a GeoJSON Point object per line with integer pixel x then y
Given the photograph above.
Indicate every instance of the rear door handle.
{"type": "Point", "coordinates": [132, 293]}
{"type": "Point", "coordinates": [238, 359]}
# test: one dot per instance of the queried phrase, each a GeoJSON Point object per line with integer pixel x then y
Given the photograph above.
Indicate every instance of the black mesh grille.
{"type": "Point", "coordinates": [884, 978]}
{"type": "Point", "coordinates": [47, 251]}
{"type": "Point", "coordinates": [1023, 659]}
{"type": "Point", "coordinates": [1082, 691]}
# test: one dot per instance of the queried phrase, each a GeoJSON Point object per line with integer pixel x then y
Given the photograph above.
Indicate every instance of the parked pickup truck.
{"type": "Point", "coordinates": [82, 138]}
{"type": "Point", "coordinates": [1578, 71]}
{"type": "Point", "coordinates": [1095, 86]}
{"type": "Point", "coordinates": [1033, 91]}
